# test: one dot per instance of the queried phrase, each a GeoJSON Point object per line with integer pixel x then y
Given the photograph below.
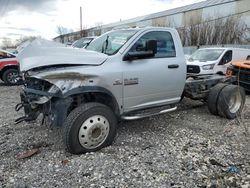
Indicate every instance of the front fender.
{"type": "Point", "coordinates": [93, 89]}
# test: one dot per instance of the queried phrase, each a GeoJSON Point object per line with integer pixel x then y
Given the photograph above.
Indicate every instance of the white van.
{"type": "Point", "coordinates": [214, 60]}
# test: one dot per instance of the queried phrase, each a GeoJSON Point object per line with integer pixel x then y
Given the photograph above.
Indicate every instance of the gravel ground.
{"type": "Point", "coordinates": [186, 148]}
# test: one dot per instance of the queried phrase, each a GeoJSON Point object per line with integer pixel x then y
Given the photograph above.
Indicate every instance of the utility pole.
{"type": "Point", "coordinates": [81, 21]}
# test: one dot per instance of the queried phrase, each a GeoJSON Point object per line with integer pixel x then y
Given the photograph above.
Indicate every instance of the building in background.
{"type": "Point", "coordinates": [215, 13]}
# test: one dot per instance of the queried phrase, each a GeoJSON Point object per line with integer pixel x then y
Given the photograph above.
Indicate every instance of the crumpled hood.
{"type": "Point", "coordinates": [42, 53]}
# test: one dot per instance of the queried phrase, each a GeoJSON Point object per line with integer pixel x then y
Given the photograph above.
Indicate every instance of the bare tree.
{"type": "Point", "coordinates": [23, 39]}
{"type": "Point", "coordinates": [182, 33]}
{"type": "Point", "coordinates": [62, 31]}
{"type": "Point", "coordinates": [98, 28]}
{"type": "Point", "coordinates": [7, 43]}
{"type": "Point", "coordinates": [229, 30]}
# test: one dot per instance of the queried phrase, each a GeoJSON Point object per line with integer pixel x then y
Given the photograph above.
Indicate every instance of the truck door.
{"type": "Point", "coordinates": [221, 68]}
{"type": "Point", "coordinates": [157, 80]}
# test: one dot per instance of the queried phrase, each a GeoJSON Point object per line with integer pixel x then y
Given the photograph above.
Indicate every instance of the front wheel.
{"type": "Point", "coordinates": [89, 128]}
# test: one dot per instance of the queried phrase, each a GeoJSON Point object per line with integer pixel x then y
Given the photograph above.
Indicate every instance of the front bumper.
{"type": "Point", "coordinates": [35, 102]}
{"type": "Point", "coordinates": [29, 103]}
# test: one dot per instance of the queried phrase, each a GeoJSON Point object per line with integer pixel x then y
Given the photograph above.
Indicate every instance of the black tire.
{"type": "Point", "coordinates": [76, 120]}
{"type": "Point", "coordinates": [9, 77]}
{"type": "Point", "coordinates": [213, 96]}
{"type": "Point", "coordinates": [231, 101]}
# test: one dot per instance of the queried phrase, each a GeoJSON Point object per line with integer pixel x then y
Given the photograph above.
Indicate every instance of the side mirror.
{"type": "Point", "coordinates": [151, 49]}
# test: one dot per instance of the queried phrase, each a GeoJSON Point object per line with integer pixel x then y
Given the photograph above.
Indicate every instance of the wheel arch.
{"type": "Point", "coordinates": [6, 68]}
{"type": "Point", "coordinates": [92, 94]}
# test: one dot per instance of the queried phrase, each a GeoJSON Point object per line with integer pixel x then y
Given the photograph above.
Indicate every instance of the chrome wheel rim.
{"type": "Point", "coordinates": [93, 132]}
{"type": "Point", "coordinates": [235, 103]}
{"type": "Point", "coordinates": [12, 77]}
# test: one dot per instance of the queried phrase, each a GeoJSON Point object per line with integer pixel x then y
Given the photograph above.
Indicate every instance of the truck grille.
{"type": "Point", "coordinates": [193, 69]}
{"type": "Point", "coordinates": [245, 77]}
{"type": "Point", "coordinates": [244, 73]}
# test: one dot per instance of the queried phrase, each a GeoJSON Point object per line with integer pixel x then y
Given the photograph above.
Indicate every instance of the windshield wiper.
{"type": "Point", "coordinates": [104, 48]}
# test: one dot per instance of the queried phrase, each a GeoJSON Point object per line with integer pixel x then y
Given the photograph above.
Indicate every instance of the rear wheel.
{"type": "Point", "coordinates": [231, 101]}
{"type": "Point", "coordinates": [11, 77]}
{"type": "Point", "coordinates": [89, 128]}
{"type": "Point", "coordinates": [213, 98]}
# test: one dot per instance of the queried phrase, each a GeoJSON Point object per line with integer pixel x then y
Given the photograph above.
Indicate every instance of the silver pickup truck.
{"type": "Point", "coordinates": [122, 75]}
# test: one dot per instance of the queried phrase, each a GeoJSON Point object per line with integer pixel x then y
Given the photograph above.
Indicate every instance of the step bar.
{"type": "Point", "coordinates": [135, 117]}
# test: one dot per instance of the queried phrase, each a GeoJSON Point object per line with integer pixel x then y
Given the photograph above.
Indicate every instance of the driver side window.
{"type": "Point", "coordinates": [226, 58]}
{"type": "Point", "coordinates": [165, 44]}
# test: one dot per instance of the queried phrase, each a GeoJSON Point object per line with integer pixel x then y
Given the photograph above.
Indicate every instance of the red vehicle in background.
{"type": "Point", "coordinates": [9, 68]}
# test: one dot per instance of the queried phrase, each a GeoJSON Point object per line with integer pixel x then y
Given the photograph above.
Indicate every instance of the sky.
{"type": "Point", "coordinates": [20, 18]}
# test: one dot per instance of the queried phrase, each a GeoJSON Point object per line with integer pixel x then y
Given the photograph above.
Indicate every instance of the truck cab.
{"type": "Point", "coordinates": [137, 54]}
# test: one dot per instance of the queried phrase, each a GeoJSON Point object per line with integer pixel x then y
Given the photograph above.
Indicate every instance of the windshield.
{"type": "Point", "coordinates": [81, 43]}
{"type": "Point", "coordinates": [111, 42]}
{"type": "Point", "coordinates": [206, 55]}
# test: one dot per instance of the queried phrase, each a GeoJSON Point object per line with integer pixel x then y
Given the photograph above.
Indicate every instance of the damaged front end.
{"type": "Point", "coordinates": [42, 97]}
{"type": "Point", "coordinates": [50, 73]}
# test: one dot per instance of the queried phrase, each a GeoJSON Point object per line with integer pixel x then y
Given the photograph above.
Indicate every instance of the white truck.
{"type": "Point", "coordinates": [122, 75]}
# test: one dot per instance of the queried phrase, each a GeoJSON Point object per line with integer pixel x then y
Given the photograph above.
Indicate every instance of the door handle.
{"type": "Point", "coordinates": [174, 66]}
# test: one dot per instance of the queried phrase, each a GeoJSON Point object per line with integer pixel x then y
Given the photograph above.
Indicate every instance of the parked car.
{"type": "Point", "coordinates": [123, 75]}
{"type": "Point", "coordinates": [214, 60]}
{"type": "Point", "coordinates": [9, 68]}
{"type": "Point", "coordinates": [83, 42]}
{"type": "Point", "coordinates": [241, 69]}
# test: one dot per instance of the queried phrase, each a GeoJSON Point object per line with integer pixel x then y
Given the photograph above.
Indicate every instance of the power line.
{"type": "Point", "coordinates": [220, 18]}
